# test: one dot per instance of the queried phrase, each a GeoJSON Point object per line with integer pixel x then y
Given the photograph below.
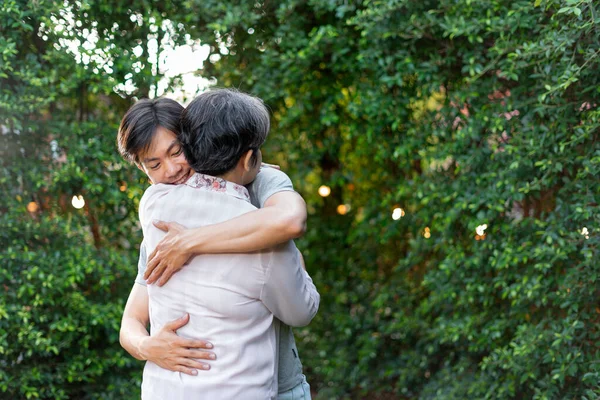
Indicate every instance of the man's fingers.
{"type": "Point", "coordinates": [158, 271]}
{"type": "Point", "coordinates": [163, 226]}
{"type": "Point", "coordinates": [189, 363]}
{"type": "Point", "coordinates": [185, 370]}
{"type": "Point", "coordinates": [153, 262]}
{"type": "Point", "coordinates": [178, 323]}
{"type": "Point", "coordinates": [153, 254]}
{"type": "Point", "coordinates": [199, 354]}
{"type": "Point", "coordinates": [195, 344]}
{"type": "Point", "coordinates": [165, 276]}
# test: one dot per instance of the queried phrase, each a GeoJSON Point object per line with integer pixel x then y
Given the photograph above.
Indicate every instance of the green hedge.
{"type": "Point", "coordinates": [461, 113]}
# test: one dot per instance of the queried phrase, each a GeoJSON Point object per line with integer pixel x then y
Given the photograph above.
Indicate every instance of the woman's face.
{"type": "Point", "coordinates": [254, 168]}
{"type": "Point", "coordinates": [164, 161]}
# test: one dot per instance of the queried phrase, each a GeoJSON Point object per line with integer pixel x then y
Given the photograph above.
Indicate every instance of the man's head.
{"type": "Point", "coordinates": [222, 131]}
{"type": "Point", "coordinates": [148, 137]}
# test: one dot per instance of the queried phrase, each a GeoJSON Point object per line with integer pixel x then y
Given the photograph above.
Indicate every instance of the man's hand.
{"type": "Point", "coordinates": [169, 255]}
{"type": "Point", "coordinates": [169, 351]}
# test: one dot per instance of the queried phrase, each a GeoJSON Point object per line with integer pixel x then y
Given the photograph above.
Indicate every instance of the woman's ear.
{"type": "Point", "coordinates": [247, 160]}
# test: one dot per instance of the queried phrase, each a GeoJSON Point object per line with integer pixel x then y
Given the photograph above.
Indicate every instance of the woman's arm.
{"type": "Point", "coordinates": [289, 292]}
{"type": "Point", "coordinates": [282, 218]}
{"type": "Point", "coordinates": [165, 348]}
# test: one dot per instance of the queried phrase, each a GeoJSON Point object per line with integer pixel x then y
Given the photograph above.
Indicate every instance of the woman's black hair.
{"type": "Point", "coordinates": [221, 125]}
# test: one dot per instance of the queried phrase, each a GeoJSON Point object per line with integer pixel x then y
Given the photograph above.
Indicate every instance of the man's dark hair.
{"type": "Point", "coordinates": [219, 126]}
{"type": "Point", "coordinates": [140, 123]}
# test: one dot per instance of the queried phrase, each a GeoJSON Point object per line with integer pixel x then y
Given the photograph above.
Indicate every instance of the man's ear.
{"type": "Point", "coordinates": [247, 160]}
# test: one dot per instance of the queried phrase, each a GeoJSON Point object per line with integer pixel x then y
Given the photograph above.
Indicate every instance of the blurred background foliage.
{"type": "Point", "coordinates": [457, 253]}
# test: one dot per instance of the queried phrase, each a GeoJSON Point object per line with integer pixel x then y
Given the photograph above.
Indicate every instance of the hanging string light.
{"type": "Point", "coordinates": [324, 191]}
{"type": "Point", "coordinates": [585, 232]}
{"type": "Point", "coordinates": [343, 209]}
{"type": "Point", "coordinates": [33, 207]}
{"type": "Point", "coordinates": [397, 213]}
{"type": "Point", "coordinates": [426, 233]}
{"type": "Point", "coordinates": [78, 201]}
{"type": "Point", "coordinates": [480, 232]}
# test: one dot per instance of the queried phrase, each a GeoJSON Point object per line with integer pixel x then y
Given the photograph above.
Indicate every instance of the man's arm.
{"type": "Point", "coordinates": [165, 349]}
{"type": "Point", "coordinates": [282, 218]}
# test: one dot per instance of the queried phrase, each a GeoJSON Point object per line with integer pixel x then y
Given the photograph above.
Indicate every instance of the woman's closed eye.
{"type": "Point", "coordinates": [154, 167]}
{"type": "Point", "coordinates": [178, 152]}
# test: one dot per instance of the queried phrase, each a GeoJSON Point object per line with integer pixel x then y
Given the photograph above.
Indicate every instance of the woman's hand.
{"type": "Point", "coordinates": [172, 352]}
{"type": "Point", "coordinates": [169, 255]}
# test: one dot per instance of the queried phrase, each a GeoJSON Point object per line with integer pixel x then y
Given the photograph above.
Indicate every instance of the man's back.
{"type": "Point", "coordinates": [222, 294]}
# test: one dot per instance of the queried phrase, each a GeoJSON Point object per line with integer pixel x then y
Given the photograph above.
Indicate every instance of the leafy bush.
{"type": "Point", "coordinates": [64, 272]}
{"type": "Point", "coordinates": [464, 114]}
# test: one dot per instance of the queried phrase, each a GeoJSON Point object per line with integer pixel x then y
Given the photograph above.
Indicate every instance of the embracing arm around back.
{"type": "Point", "coordinates": [165, 348]}
{"type": "Point", "coordinates": [282, 218]}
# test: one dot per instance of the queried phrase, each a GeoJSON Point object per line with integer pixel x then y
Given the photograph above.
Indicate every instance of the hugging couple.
{"type": "Point", "coordinates": [220, 281]}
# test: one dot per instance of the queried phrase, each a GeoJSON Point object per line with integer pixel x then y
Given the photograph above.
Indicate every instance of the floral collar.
{"type": "Point", "coordinates": [218, 185]}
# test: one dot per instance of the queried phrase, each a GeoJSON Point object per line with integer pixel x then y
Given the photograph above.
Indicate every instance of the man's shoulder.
{"type": "Point", "coordinates": [268, 182]}
{"type": "Point", "coordinates": [268, 175]}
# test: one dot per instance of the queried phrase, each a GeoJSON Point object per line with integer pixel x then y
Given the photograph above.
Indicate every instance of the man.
{"type": "Point", "coordinates": [168, 165]}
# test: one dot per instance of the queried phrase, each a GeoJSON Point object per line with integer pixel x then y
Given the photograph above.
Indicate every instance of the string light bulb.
{"type": "Point", "coordinates": [427, 233]}
{"type": "Point", "coordinates": [33, 207]}
{"type": "Point", "coordinates": [585, 232]}
{"type": "Point", "coordinates": [78, 201]}
{"type": "Point", "coordinates": [324, 191]}
{"type": "Point", "coordinates": [343, 209]}
{"type": "Point", "coordinates": [397, 213]}
{"type": "Point", "coordinates": [480, 230]}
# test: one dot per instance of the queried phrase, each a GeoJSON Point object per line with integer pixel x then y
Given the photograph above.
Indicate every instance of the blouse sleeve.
{"type": "Point", "coordinates": [289, 292]}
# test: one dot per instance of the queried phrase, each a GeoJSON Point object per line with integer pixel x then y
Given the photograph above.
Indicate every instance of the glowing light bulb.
{"type": "Point", "coordinates": [342, 209]}
{"type": "Point", "coordinates": [480, 230]}
{"type": "Point", "coordinates": [427, 233]}
{"type": "Point", "coordinates": [78, 201]}
{"type": "Point", "coordinates": [585, 232]}
{"type": "Point", "coordinates": [123, 187]}
{"type": "Point", "coordinates": [397, 213]}
{"type": "Point", "coordinates": [324, 191]}
{"type": "Point", "coordinates": [33, 207]}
